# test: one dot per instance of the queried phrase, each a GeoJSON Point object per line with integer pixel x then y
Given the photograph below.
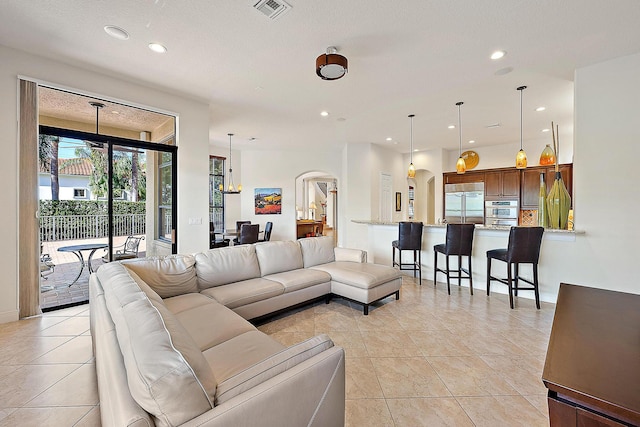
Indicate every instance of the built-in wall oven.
{"type": "Point", "coordinates": [501, 212]}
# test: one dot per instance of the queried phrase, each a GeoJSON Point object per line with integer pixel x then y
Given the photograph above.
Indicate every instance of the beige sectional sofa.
{"type": "Point", "coordinates": [173, 345]}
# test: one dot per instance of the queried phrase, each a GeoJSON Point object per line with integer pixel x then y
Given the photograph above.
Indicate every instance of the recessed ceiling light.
{"type": "Point", "coordinates": [493, 125]}
{"type": "Point", "coordinates": [157, 47]}
{"type": "Point", "coordinates": [340, 119]}
{"type": "Point", "coordinates": [115, 112]}
{"type": "Point", "coordinates": [324, 113]}
{"type": "Point", "coordinates": [545, 130]}
{"type": "Point", "coordinates": [541, 108]}
{"type": "Point", "coordinates": [253, 138]}
{"type": "Point", "coordinates": [472, 141]}
{"type": "Point", "coordinates": [116, 32]}
{"type": "Point", "coordinates": [503, 71]}
{"type": "Point", "coordinates": [389, 139]}
{"type": "Point", "coordinates": [415, 149]}
{"type": "Point", "coordinates": [498, 54]}
{"type": "Point", "coordinates": [451, 127]}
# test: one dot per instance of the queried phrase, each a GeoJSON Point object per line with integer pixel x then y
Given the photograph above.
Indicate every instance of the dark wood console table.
{"type": "Point", "coordinates": [592, 368]}
{"type": "Point", "coordinates": [308, 228]}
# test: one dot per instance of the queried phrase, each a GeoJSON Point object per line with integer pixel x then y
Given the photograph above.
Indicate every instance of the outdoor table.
{"type": "Point", "coordinates": [77, 251]}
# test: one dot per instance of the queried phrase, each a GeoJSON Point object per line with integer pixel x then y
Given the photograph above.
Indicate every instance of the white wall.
{"type": "Point", "coordinates": [606, 174]}
{"type": "Point", "coordinates": [502, 156]}
{"type": "Point", "coordinates": [192, 152]}
{"type": "Point", "coordinates": [279, 169]}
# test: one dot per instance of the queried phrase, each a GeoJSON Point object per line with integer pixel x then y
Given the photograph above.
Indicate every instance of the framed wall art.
{"type": "Point", "coordinates": [268, 201]}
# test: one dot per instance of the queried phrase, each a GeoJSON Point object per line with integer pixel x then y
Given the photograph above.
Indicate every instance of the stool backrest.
{"type": "Point", "coordinates": [524, 244]}
{"type": "Point", "coordinates": [267, 231]}
{"type": "Point", "coordinates": [459, 239]}
{"type": "Point", "coordinates": [410, 235]}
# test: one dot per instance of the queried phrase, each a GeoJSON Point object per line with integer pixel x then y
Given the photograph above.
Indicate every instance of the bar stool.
{"type": "Point", "coordinates": [523, 248]}
{"type": "Point", "coordinates": [459, 242]}
{"type": "Point", "coordinates": [409, 239]}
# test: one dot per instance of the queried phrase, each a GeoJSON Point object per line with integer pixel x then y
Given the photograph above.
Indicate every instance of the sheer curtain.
{"type": "Point", "coordinates": [28, 240]}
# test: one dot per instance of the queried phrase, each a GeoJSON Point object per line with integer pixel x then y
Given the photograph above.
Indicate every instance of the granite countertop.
{"type": "Point", "coordinates": [478, 226]}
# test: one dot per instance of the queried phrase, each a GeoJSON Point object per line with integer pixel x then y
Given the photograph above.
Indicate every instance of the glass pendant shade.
{"type": "Point", "coordinates": [521, 159]}
{"type": "Point", "coordinates": [411, 173]}
{"type": "Point", "coordinates": [461, 165]}
{"type": "Point", "coordinates": [548, 156]}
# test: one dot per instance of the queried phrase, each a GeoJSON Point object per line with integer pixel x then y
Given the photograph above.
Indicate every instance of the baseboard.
{"type": "Point", "coordinates": [9, 316]}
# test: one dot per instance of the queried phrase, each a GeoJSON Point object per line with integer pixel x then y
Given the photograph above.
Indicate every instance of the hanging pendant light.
{"type": "Point", "coordinates": [521, 157]}
{"type": "Point", "coordinates": [230, 188]}
{"type": "Point", "coordinates": [461, 165]}
{"type": "Point", "coordinates": [411, 173]}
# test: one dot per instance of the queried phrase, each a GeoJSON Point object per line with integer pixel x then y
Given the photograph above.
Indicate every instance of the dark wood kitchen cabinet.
{"type": "Point", "coordinates": [591, 369]}
{"type": "Point", "coordinates": [502, 184]}
{"type": "Point", "coordinates": [530, 184]}
{"type": "Point", "coordinates": [467, 177]}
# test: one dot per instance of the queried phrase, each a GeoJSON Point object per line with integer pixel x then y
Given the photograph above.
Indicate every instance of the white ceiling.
{"type": "Point", "coordinates": [405, 56]}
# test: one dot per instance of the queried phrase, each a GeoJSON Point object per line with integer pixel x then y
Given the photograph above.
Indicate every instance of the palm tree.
{"type": "Point", "coordinates": [48, 156]}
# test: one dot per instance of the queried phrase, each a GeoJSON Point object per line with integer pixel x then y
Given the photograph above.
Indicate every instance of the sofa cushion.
{"type": "Point", "coordinates": [225, 265]}
{"type": "Point", "coordinates": [317, 250]}
{"type": "Point", "coordinates": [299, 279]}
{"type": "Point", "coordinates": [167, 275]}
{"type": "Point", "coordinates": [159, 377]}
{"type": "Point", "coordinates": [150, 293]}
{"type": "Point", "coordinates": [278, 256]}
{"type": "Point", "coordinates": [208, 322]}
{"type": "Point", "coordinates": [242, 293]}
{"type": "Point", "coordinates": [272, 366]}
{"type": "Point", "coordinates": [184, 343]}
{"type": "Point", "coordinates": [239, 353]}
{"type": "Point", "coordinates": [360, 275]}
{"type": "Point", "coordinates": [352, 255]}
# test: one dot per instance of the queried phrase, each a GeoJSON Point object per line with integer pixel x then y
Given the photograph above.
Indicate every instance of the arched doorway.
{"type": "Point", "coordinates": [424, 198]}
{"type": "Point", "coordinates": [316, 205]}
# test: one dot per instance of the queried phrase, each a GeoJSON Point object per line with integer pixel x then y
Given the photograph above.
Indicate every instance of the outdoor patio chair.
{"type": "Point", "coordinates": [129, 249]}
{"type": "Point", "coordinates": [47, 266]}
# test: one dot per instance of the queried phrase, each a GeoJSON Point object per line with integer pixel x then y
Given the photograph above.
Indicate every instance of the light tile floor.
{"type": "Point", "coordinates": [429, 359]}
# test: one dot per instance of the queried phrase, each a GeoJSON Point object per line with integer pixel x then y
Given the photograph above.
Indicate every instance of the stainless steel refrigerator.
{"type": "Point", "coordinates": [464, 203]}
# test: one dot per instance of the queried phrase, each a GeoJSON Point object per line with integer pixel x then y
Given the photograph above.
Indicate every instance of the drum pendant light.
{"type": "Point", "coordinates": [411, 173]}
{"type": "Point", "coordinates": [521, 157]}
{"type": "Point", "coordinates": [461, 165]}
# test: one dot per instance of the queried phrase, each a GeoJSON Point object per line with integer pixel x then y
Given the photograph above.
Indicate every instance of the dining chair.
{"type": "Point", "coordinates": [267, 231]}
{"type": "Point", "coordinates": [239, 225]}
{"type": "Point", "coordinates": [216, 242]}
{"type": "Point", "coordinates": [248, 234]}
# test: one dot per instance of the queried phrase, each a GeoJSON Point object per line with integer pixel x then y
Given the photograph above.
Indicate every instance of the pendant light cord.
{"type": "Point", "coordinates": [459, 129]}
{"type": "Point", "coordinates": [521, 88]}
{"type": "Point", "coordinates": [411, 116]}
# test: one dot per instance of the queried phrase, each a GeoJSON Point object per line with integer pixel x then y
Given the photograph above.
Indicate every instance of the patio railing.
{"type": "Point", "coordinates": [76, 227]}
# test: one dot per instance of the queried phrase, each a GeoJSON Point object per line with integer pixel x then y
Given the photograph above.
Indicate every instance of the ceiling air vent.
{"type": "Point", "coordinates": [273, 9]}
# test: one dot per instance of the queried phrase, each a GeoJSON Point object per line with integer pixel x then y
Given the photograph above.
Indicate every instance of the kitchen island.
{"type": "Point", "coordinates": [557, 256]}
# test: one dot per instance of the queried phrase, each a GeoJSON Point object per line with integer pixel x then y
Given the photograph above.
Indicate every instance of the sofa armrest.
{"type": "Point", "coordinates": [352, 255]}
{"type": "Point", "coordinates": [270, 367]}
{"type": "Point", "coordinates": [310, 394]}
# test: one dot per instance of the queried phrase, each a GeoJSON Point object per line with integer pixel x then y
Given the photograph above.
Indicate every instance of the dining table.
{"type": "Point", "coordinates": [77, 251]}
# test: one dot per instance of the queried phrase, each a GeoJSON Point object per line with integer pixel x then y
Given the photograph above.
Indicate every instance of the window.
{"type": "Point", "coordinates": [79, 193]}
{"type": "Point", "coordinates": [216, 198]}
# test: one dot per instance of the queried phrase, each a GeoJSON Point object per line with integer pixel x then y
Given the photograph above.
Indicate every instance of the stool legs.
{"type": "Point", "coordinates": [416, 264]}
{"type": "Point", "coordinates": [513, 281]}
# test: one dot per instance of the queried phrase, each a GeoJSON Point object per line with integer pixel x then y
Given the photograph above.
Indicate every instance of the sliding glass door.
{"type": "Point", "coordinates": [116, 199]}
